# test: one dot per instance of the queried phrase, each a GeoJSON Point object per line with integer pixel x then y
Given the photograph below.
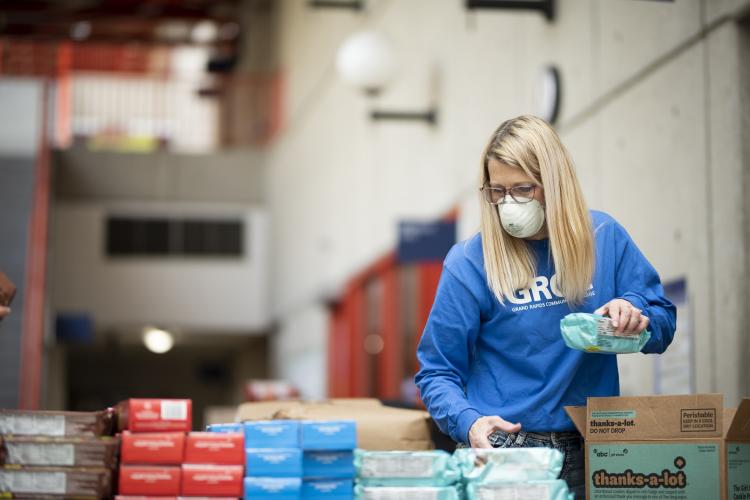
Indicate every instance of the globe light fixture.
{"type": "Point", "coordinates": [366, 61]}
{"type": "Point", "coordinates": [157, 341]}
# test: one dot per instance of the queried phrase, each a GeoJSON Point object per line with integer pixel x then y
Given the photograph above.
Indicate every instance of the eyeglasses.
{"type": "Point", "coordinates": [523, 193]}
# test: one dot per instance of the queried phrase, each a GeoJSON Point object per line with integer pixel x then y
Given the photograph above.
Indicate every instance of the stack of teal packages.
{"type": "Point", "coordinates": [512, 473]}
{"type": "Point", "coordinates": [473, 474]}
{"type": "Point", "coordinates": [298, 459]}
{"type": "Point", "coordinates": [413, 475]}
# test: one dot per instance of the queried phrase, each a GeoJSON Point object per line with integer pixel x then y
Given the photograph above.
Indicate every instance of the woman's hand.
{"type": "Point", "coordinates": [626, 318]}
{"type": "Point", "coordinates": [484, 426]}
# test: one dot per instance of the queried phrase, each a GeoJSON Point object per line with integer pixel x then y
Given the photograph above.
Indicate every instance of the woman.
{"type": "Point", "coordinates": [495, 371]}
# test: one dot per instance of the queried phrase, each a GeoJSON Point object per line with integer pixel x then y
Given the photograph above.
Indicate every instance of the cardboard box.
{"type": "Point", "coordinates": [163, 448]}
{"type": "Point", "coordinates": [155, 415]}
{"type": "Point", "coordinates": [738, 453]}
{"type": "Point", "coordinates": [150, 480]}
{"type": "Point", "coordinates": [328, 464]}
{"type": "Point", "coordinates": [46, 482]}
{"type": "Point", "coordinates": [57, 423]}
{"type": "Point", "coordinates": [272, 434]}
{"type": "Point", "coordinates": [278, 488]}
{"type": "Point", "coordinates": [215, 448]}
{"type": "Point", "coordinates": [267, 462]}
{"type": "Point", "coordinates": [653, 447]}
{"type": "Point", "coordinates": [212, 480]}
{"type": "Point", "coordinates": [329, 434]}
{"type": "Point", "coordinates": [54, 451]}
{"type": "Point", "coordinates": [378, 427]}
{"type": "Point", "coordinates": [332, 489]}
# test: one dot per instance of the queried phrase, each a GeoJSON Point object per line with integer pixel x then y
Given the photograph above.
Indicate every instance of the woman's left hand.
{"type": "Point", "coordinates": [626, 318]}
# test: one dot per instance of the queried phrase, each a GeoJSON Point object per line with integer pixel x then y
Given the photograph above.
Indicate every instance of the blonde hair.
{"type": "Point", "coordinates": [530, 143]}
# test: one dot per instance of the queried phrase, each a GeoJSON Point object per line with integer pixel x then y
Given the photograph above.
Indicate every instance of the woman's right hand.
{"type": "Point", "coordinates": [482, 427]}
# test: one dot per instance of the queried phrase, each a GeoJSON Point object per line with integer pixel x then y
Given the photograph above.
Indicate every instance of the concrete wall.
{"type": "Point", "coordinates": [230, 176]}
{"type": "Point", "coordinates": [228, 294]}
{"type": "Point", "coordinates": [651, 93]}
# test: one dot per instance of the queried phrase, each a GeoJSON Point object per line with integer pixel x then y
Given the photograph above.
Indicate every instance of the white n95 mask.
{"type": "Point", "coordinates": [521, 219]}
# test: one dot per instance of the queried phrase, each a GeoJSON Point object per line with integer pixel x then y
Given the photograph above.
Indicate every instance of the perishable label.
{"type": "Point", "coordinates": [698, 420]}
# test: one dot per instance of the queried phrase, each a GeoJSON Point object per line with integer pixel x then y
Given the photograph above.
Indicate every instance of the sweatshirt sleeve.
{"type": "Point", "coordinates": [638, 282]}
{"type": "Point", "coordinates": [444, 354]}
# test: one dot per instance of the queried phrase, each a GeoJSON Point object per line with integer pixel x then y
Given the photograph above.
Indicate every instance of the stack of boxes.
{"type": "Point", "coordinates": [290, 459]}
{"type": "Point", "coordinates": [56, 454]}
{"type": "Point", "coordinates": [328, 459]}
{"type": "Point", "coordinates": [273, 459]}
{"type": "Point", "coordinates": [162, 458]}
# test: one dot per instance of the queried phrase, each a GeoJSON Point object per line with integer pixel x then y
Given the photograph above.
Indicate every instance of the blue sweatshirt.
{"type": "Point", "coordinates": [479, 357]}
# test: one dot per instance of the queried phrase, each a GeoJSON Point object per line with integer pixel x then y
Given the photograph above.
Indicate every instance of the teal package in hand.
{"type": "Point", "coordinates": [508, 465]}
{"type": "Point", "coordinates": [407, 492]}
{"type": "Point", "coordinates": [595, 333]}
{"type": "Point", "coordinates": [555, 489]}
{"type": "Point", "coordinates": [405, 468]}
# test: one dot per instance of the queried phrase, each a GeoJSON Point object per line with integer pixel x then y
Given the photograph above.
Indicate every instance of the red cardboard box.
{"type": "Point", "coordinates": [125, 497]}
{"type": "Point", "coordinates": [163, 448]}
{"type": "Point", "coordinates": [215, 448]}
{"type": "Point", "coordinates": [150, 480]}
{"type": "Point", "coordinates": [212, 480]}
{"type": "Point", "coordinates": [155, 415]}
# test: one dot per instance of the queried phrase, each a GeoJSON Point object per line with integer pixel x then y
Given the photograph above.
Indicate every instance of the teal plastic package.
{"type": "Point", "coordinates": [405, 468]}
{"type": "Point", "coordinates": [508, 465]}
{"type": "Point", "coordinates": [595, 333]}
{"type": "Point", "coordinates": [538, 490]}
{"type": "Point", "coordinates": [407, 493]}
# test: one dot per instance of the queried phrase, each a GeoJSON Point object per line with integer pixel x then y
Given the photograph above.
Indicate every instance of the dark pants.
{"type": "Point", "coordinates": [569, 443]}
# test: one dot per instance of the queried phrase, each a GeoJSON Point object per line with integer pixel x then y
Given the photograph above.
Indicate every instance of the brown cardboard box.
{"type": "Point", "coordinates": [56, 423]}
{"type": "Point", "coordinates": [738, 452]}
{"type": "Point", "coordinates": [59, 451]}
{"type": "Point", "coordinates": [653, 447]}
{"type": "Point", "coordinates": [378, 427]}
{"type": "Point", "coordinates": [52, 482]}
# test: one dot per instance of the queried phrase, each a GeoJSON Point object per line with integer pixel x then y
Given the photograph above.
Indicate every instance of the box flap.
{"type": "Point", "coordinates": [739, 429]}
{"type": "Point", "coordinates": [578, 415]}
{"type": "Point", "coordinates": [654, 417]}
{"type": "Point", "coordinates": [728, 417]}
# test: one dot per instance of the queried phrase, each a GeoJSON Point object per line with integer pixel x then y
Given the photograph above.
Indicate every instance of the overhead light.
{"type": "Point", "coordinates": [366, 61]}
{"type": "Point", "coordinates": [80, 31]}
{"type": "Point", "coordinates": [204, 32]}
{"type": "Point", "coordinates": [157, 341]}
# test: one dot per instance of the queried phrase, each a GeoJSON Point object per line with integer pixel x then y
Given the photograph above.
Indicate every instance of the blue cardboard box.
{"type": "Point", "coordinates": [269, 462]}
{"type": "Point", "coordinates": [332, 489]}
{"type": "Point", "coordinates": [279, 488]}
{"type": "Point", "coordinates": [234, 427]}
{"type": "Point", "coordinates": [329, 434]}
{"type": "Point", "coordinates": [272, 434]}
{"type": "Point", "coordinates": [328, 464]}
